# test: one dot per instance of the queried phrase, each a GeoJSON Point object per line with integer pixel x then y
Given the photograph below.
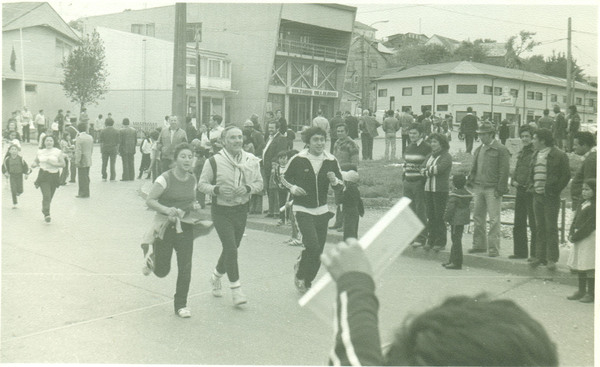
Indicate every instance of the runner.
{"type": "Point", "coordinates": [50, 160]}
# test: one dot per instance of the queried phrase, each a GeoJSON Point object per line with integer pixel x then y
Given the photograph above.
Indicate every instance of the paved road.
{"type": "Point", "coordinates": [73, 292]}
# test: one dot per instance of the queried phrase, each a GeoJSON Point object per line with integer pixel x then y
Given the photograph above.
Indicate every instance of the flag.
{"type": "Point", "coordinates": [13, 59]}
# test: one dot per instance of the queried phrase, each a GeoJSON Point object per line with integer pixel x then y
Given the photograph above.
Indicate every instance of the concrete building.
{"type": "Point", "coordinates": [140, 74]}
{"type": "Point", "coordinates": [368, 59]}
{"type": "Point", "coordinates": [289, 57]}
{"type": "Point", "coordinates": [490, 90]}
{"type": "Point", "coordinates": [35, 39]}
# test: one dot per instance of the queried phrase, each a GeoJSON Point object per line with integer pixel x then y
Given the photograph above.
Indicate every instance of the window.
{"type": "Point", "coordinates": [487, 89]}
{"type": "Point", "coordinates": [591, 103]}
{"type": "Point", "coordinates": [190, 65]}
{"type": "Point", "coordinates": [553, 98]}
{"type": "Point", "coordinates": [203, 67]}
{"type": "Point", "coordinates": [305, 39]}
{"type": "Point", "coordinates": [530, 95]}
{"type": "Point", "coordinates": [514, 93]}
{"type": "Point", "coordinates": [442, 89]}
{"type": "Point", "coordinates": [392, 102]}
{"type": "Point", "coordinates": [466, 88]}
{"type": "Point", "coordinates": [578, 101]}
{"type": "Point", "coordinates": [406, 108]}
{"type": "Point", "coordinates": [226, 69]}
{"type": "Point", "coordinates": [214, 68]}
{"type": "Point", "coordinates": [382, 93]}
{"type": "Point", "coordinates": [497, 91]}
{"type": "Point", "coordinates": [150, 29]}
{"type": "Point", "coordinates": [31, 88]}
{"type": "Point", "coordinates": [538, 96]}
{"type": "Point", "coordinates": [137, 28]}
{"type": "Point", "coordinates": [442, 108]}
{"type": "Point", "coordinates": [426, 90]}
{"type": "Point", "coordinates": [564, 99]}
{"type": "Point", "coordinates": [407, 91]}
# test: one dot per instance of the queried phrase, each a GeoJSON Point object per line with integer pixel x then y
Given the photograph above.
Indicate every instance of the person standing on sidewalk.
{"type": "Point", "coordinates": [549, 175]}
{"type": "Point", "coordinates": [582, 259]}
{"type": "Point", "coordinates": [391, 125]}
{"type": "Point", "coordinates": [346, 152]}
{"type": "Point", "coordinates": [173, 195]}
{"type": "Point", "coordinates": [546, 122]}
{"type": "Point", "coordinates": [127, 144]}
{"type": "Point", "coordinates": [573, 124]}
{"type": "Point", "coordinates": [457, 214]}
{"type": "Point", "coordinates": [368, 131]}
{"type": "Point", "coordinates": [169, 138]}
{"type": "Point", "coordinates": [489, 179]}
{"type": "Point", "coordinates": [84, 146]}
{"type": "Point", "coordinates": [352, 124]}
{"type": "Point", "coordinates": [413, 182]}
{"type": "Point", "coordinates": [524, 215]}
{"type": "Point", "coordinates": [50, 160]}
{"type": "Point", "coordinates": [584, 144]}
{"type": "Point", "coordinates": [231, 176]}
{"type": "Point", "coordinates": [109, 146]}
{"type": "Point", "coordinates": [437, 184]}
{"type": "Point", "coordinates": [276, 143]}
{"type": "Point", "coordinates": [559, 128]}
{"type": "Point", "coordinates": [406, 120]}
{"type": "Point", "coordinates": [72, 131]}
{"type": "Point", "coordinates": [308, 176]}
{"type": "Point", "coordinates": [335, 122]}
{"type": "Point", "coordinates": [468, 127]}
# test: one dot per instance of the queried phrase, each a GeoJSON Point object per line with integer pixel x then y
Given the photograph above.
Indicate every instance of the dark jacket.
{"type": "Point", "coordinates": [458, 211]}
{"type": "Point", "coordinates": [521, 173]}
{"type": "Point", "coordinates": [573, 121]}
{"type": "Point", "coordinates": [127, 140]}
{"type": "Point", "coordinates": [352, 123]}
{"type": "Point", "coordinates": [109, 140]}
{"type": "Point", "coordinates": [559, 129]}
{"type": "Point", "coordinates": [587, 170]}
{"type": "Point", "coordinates": [495, 167]}
{"type": "Point", "coordinates": [503, 131]}
{"type": "Point", "coordinates": [558, 172]}
{"type": "Point", "coordinates": [279, 144]}
{"type": "Point", "coordinates": [299, 172]}
{"type": "Point", "coordinates": [359, 313]}
{"type": "Point", "coordinates": [438, 174]}
{"type": "Point", "coordinates": [468, 124]}
{"type": "Point", "coordinates": [351, 201]}
{"type": "Point", "coordinates": [584, 223]}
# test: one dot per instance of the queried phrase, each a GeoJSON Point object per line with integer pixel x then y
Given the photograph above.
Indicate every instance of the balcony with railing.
{"type": "Point", "coordinates": [288, 47]}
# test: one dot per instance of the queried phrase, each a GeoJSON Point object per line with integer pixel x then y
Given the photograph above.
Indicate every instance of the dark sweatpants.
{"type": "Point", "coordinates": [16, 186]}
{"type": "Point", "coordinates": [183, 244]}
{"type": "Point", "coordinates": [230, 224]}
{"type": "Point", "coordinates": [314, 234]}
{"type": "Point", "coordinates": [456, 252]}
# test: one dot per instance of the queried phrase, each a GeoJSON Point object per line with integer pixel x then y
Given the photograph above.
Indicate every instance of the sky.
{"type": "Point", "coordinates": [467, 20]}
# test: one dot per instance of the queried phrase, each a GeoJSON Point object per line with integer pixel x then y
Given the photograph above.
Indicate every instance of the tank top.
{"type": "Point", "coordinates": [178, 194]}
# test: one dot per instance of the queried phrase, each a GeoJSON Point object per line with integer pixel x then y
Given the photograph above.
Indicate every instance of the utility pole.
{"type": "Point", "coordinates": [179, 84]}
{"type": "Point", "coordinates": [363, 102]}
{"type": "Point", "coordinates": [569, 67]}
{"type": "Point", "coordinates": [198, 39]}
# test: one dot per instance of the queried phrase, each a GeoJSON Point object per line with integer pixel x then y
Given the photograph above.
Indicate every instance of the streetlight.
{"type": "Point", "coordinates": [364, 99]}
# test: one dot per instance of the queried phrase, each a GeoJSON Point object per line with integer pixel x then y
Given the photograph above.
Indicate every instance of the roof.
{"type": "Point", "coordinates": [475, 68]}
{"type": "Point", "coordinates": [25, 15]}
{"type": "Point", "coordinates": [446, 42]}
{"type": "Point", "coordinates": [384, 50]}
{"type": "Point", "coordinates": [360, 25]}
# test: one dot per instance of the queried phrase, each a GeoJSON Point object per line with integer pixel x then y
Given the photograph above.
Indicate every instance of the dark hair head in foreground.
{"type": "Point", "coordinates": [472, 331]}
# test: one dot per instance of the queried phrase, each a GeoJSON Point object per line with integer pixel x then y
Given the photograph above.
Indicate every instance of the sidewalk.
{"type": "Point", "coordinates": [517, 267]}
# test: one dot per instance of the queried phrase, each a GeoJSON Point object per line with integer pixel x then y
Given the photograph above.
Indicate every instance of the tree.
{"type": "Point", "coordinates": [412, 55]}
{"type": "Point", "coordinates": [76, 24]}
{"type": "Point", "coordinates": [516, 45]}
{"type": "Point", "coordinates": [555, 65]}
{"type": "Point", "coordinates": [85, 71]}
{"type": "Point", "coordinates": [469, 51]}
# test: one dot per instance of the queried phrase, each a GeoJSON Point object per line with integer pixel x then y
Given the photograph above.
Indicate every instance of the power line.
{"type": "Point", "coordinates": [585, 54]}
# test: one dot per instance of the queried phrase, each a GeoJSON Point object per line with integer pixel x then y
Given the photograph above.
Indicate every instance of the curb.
{"type": "Point", "coordinates": [519, 268]}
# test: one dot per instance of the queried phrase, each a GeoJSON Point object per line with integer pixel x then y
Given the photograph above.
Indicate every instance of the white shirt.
{"type": "Point", "coordinates": [49, 159]}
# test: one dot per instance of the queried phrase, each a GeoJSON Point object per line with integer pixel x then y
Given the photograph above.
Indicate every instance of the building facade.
{"type": "Point", "coordinates": [140, 74]}
{"type": "Point", "coordinates": [493, 92]}
{"type": "Point", "coordinates": [35, 40]}
{"type": "Point", "coordinates": [288, 57]}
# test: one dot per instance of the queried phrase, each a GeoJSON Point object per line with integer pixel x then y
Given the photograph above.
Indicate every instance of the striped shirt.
{"type": "Point", "coordinates": [539, 171]}
{"type": "Point", "coordinates": [414, 159]}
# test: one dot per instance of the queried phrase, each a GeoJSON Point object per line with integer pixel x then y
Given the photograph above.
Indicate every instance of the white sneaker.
{"type": "Point", "coordinates": [215, 282]}
{"type": "Point", "coordinates": [184, 313]}
{"type": "Point", "coordinates": [239, 298]}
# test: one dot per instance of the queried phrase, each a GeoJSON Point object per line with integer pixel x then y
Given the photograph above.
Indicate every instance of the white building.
{"type": "Point", "coordinates": [488, 89]}
{"type": "Point", "coordinates": [142, 91]}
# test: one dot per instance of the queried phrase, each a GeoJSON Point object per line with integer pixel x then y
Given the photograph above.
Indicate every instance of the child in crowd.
{"type": "Point", "coordinates": [154, 155]}
{"type": "Point", "coordinates": [146, 150]}
{"type": "Point", "coordinates": [69, 150]}
{"type": "Point", "coordinates": [583, 236]}
{"type": "Point", "coordinates": [296, 239]}
{"type": "Point", "coordinates": [14, 168]}
{"type": "Point", "coordinates": [458, 214]}
{"type": "Point", "coordinates": [352, 204]}
{"type": "Point", "coordinates": [282, 192]}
